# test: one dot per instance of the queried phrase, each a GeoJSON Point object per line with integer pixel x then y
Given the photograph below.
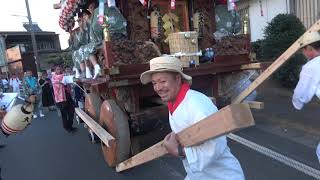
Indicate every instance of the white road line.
{"type": "Point", "coordinates": [277, 156]}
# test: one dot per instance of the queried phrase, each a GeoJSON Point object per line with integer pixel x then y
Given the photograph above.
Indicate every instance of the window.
{"type": "Point", "coordinates": [45, 45]}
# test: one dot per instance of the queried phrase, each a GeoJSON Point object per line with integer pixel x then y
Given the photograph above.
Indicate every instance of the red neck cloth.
{"type": "Point", "coordinates": [181, 94]}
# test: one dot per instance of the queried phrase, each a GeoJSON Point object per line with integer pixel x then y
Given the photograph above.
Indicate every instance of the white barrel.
{"type": "Point", "coordinates": [17, 119]}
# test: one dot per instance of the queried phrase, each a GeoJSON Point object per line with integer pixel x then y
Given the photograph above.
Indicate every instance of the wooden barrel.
{"type": "Point", "coordinates": [115, 121]}
{"type": "Point", "coordinates": [184, 42]}
{"type": "Point", "coordinates": [92, 105]}
{"type": "Point", "coordinates": [17, 119]}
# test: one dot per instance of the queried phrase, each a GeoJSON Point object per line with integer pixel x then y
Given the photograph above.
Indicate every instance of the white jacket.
{"type": "Point", "coordinates": [308, 85]}
{"type": "Point", "coordinates": [15, 84]}
{"type": "Point", "coordinates": [211, 159]}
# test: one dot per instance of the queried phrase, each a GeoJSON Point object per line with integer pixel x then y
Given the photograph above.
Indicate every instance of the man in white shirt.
{"type": "Point", "coordinates": [209, 160]}
{"type": "Point", "coordinates": [15, 83]}
{"type": "Point", "coordinates": [309, 81]}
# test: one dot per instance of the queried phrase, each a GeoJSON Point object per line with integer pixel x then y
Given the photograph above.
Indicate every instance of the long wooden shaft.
{"type": "Point", "coordinates": [228, 119]}
{"type": "Point", "coordinates": [147, 155]}
{"type": "Point", "coordinates": [95, 127]}
{"type": "Point", "coordinates": [275, 65]}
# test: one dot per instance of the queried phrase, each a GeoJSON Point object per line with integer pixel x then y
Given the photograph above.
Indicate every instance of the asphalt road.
{"type": "Point", "coordinates": [46, 152]}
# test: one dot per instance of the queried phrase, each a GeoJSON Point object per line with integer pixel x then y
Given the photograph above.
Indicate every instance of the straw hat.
{"type": "Point", "coordinates": [309, 38]}
{"type": "Point", "coordinates": [164, 64]}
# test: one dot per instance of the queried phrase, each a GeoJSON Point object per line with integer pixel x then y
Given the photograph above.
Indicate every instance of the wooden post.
{"type": "Point", "coordinates": [275, 65]}
{"type": "Point", "coordinates": [228, 119]}
{"type": "Point", "coordinates": [107, 54]}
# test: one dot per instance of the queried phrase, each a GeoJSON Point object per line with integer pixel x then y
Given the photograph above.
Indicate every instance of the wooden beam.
{"type": "Point", "coordinates": [133, 71]}
{"type": "Point", "coordinates": [227, 120]}
{"type": "Point", "coordinates": [147, 155]}
{"type": "Point", "coordinates": [275, 65]}
{"type": "Point", "coordinates": [255, 104]}
{"type": "Point", "coordinates": [95, 127]}
{"type": "Point", "coordinates": [251, 66]}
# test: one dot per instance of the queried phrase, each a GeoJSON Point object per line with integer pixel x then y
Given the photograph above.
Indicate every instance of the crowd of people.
{"type": "Point", "coordinates": [53, 91]}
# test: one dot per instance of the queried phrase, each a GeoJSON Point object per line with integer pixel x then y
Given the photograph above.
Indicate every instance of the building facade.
{"type": "Point", "coordinates": [47, 42]}
{"type": "Point", "coordinates": [256, 14]}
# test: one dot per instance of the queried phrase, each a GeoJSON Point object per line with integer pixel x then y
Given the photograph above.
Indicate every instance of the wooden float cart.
{"type": "Point", "coordinates": [128, 111]}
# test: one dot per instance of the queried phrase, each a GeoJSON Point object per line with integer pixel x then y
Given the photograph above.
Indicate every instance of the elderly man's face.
{"type": "Point", "coordinates": [166, 85]}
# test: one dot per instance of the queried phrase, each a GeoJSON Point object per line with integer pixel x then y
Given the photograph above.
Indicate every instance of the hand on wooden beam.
{"type": "Point", "coordinates": [171, 144]}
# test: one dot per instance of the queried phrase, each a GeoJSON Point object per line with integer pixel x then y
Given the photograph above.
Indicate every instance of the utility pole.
{"type": "Point", "coordinates": [33, 39]}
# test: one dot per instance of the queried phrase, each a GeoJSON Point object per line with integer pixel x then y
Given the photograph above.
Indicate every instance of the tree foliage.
{"type": "Point", "coordinates": [279, 35]}
{"type": "Point", "coordinates": [63, 58]}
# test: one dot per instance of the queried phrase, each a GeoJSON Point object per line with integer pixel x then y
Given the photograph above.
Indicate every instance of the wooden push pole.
{"type": "Point", "coordinates": [100, 132]}
{"type": "Point", "coordinates": [228, 119]}
{"type": "Point", "coordinates": [275, 65]}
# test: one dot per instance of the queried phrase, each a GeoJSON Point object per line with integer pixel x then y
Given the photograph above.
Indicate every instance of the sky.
{"type": "Point", "coordinates": [42, 12]}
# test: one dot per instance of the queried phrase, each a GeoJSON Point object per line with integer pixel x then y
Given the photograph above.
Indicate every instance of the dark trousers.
{"type": "Point", "coordinates": [67, 113]}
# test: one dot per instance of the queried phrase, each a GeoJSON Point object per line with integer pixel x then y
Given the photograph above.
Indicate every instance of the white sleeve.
{"type": "Point", "coordinates": [67, 79]}
{"type": "Point", "coordinates": [304, 90]}
{"type": "Point", "coordinates": [201, 156]}
{"type": "Point", "coordinates": [64, 80]}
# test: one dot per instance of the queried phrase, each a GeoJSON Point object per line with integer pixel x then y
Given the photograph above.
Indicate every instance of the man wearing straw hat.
{"type": "Point", "coordinates": [309, 81]}
{"type": "Point", "coordinates": [209, 160]}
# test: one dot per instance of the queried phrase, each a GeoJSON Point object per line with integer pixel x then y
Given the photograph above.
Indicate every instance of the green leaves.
{"type": "Point", "coordinates": [279, 35]}
{"type": "Point", "coordinates": [62, 58]}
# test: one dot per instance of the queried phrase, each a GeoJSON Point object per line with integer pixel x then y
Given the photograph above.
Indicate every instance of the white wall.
{"type": "Point", "coordinates": [270, 9]}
